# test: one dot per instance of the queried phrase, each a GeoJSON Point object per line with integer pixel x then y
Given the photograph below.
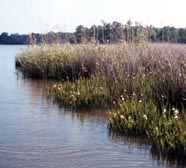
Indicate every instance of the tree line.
{"type": "Point", "coordinates": [114, 32]}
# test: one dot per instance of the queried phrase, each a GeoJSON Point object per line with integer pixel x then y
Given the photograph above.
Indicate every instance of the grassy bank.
{"type": "Point", "coordinates": [144, 84]}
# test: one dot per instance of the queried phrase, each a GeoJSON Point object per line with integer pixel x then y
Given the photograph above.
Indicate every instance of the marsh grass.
{"type": "Point", "coordinates": [132, 68]}
{"type": "Point", "coordinates": [64, 62]}
{"type": "Point", "coordinates": [141, 82]}
{"type": "Point", "coordinates": [82, 93]}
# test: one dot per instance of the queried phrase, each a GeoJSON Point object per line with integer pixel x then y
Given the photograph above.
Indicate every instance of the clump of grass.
{"type": "Point", "coordinates": [169, 136]}
{"type": "Point", "coordinates": [57, 62]}
{"type": "Point", "coordinates": [133, 117]}
{"type": "Point", "coordinates": [82, 93]}
{"type": "Point", "coordinates": [166, 129]}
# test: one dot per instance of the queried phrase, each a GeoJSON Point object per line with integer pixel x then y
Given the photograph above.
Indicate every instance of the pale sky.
{"type": "Point", "coordinates": [26, 16]}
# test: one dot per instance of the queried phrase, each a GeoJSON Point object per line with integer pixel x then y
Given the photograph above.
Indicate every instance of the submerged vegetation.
{"type": "Point", "coordinates": [145, 85]}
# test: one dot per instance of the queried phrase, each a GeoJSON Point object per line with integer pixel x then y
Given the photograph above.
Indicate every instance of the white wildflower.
{"type": "Point", "coordinates": [176, 117]}
{"type": "Point", "coordinates": [176, 112]}
{"type": "Point", "coordinates": [122, 116]}
{"type": "Point", "coordinates": [145, 116]}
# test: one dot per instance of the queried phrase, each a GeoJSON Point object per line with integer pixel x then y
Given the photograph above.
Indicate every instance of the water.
{"type": "Point", "coordinates": [34, 133]}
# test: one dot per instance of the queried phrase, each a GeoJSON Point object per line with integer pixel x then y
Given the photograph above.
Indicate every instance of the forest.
{"type": "Point", "coordinates": [114, 32]}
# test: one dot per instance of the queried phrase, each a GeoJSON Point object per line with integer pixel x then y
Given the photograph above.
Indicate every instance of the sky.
{"type": "Point", "coordinates": [41, 16]}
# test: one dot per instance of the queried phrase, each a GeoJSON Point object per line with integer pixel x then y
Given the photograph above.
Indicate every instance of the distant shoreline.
{"type": "Point", "coordinates": [108, 33]}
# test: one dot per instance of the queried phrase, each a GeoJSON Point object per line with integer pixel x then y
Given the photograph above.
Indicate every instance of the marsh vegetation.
{"type": "Point", "coordinates": [144, 85]}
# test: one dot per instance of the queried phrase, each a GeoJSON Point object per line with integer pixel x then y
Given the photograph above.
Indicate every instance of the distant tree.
{"type": "Point", "coordinates": [71, 38]}
{"type": "Point", "coordinates": [182, 35]}
{"type": "Point", "coordinates": [108, 33]}
{"type": "Point", "coordinates": [100, 34]}
{"type": "Point", "coordinates": [129, 31]}
{"type": "Point", "coordinates": [118, 34]}
{"type": "Point", "coordinates": [152, 34]}
{"type": "Point", "coordinates": [80, 34]}
{"type": "Point", "coordinates": [4, 38]}
{"type": "Point", "coordinates": [174, 35]}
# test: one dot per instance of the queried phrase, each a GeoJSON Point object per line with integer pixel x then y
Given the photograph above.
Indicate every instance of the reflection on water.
{"type": "Point", "coordinates": [169, 160]}
{"type": "Point", "coordinates": [37, 133]}
{"type": "Point", "coordinates": [143, 142]}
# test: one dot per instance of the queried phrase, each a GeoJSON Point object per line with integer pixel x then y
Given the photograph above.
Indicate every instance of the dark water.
{"type": "Point", "coordinates": [34, 133]}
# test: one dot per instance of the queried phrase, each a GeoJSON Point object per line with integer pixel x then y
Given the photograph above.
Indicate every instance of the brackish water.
{"type": "Point", "coordinates": [35, 133]}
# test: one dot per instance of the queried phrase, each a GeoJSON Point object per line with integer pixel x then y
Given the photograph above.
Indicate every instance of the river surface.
{"type": "Point", "coordinates": [35, 133]}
